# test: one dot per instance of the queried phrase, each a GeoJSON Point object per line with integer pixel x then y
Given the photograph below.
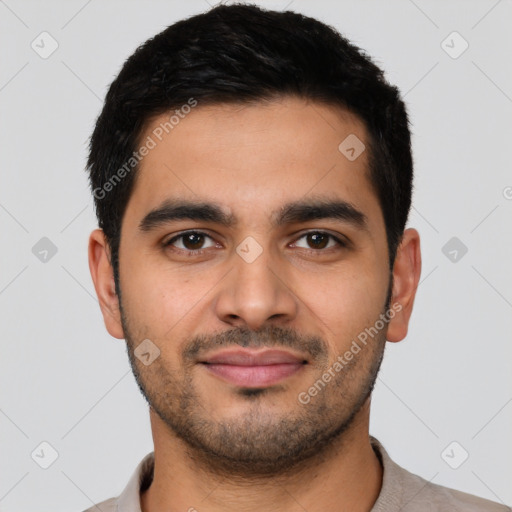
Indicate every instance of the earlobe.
{"type": "Point", "coordinates": [103, 277]}
{"type": "Point", "coordinates": [406, 276]}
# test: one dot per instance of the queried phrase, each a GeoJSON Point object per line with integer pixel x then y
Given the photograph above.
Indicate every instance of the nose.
{"type": "Point", "coordinates": [255, 293]}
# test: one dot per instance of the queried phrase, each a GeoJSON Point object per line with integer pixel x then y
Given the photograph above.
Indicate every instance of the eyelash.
{"type": "Point", "coordinates": [197, 252]}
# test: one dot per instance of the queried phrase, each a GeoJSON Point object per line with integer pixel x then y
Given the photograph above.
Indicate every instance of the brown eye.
{"type": "Point", "coordinates": [318, 240]}
{"type": "Point", "coordinates": [193, 241]}
{"type": "Point", "coordinates": [190, 241]}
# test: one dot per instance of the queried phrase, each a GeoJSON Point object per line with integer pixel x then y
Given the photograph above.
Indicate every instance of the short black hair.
{"type": "Point", "coordinates": [245, 54]}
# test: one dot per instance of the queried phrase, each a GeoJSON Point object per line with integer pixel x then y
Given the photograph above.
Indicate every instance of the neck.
{"type": "Point", "coordinates": [347, 477]}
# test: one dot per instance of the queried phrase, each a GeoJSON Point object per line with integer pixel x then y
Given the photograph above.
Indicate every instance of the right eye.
{"type": "Point", "coordinates": [190, 241]}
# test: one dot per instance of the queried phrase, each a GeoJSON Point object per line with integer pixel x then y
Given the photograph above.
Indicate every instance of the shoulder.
{"type": "Point", "coordinates": [129, 499]}
{"type": "Point", "coordinates": [407, 492]}
{"type": "Point", "coordinates": [427, 496]}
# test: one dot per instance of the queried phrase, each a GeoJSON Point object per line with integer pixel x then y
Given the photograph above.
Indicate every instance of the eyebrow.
{"type": "Point", "coordinates": [294, 212]}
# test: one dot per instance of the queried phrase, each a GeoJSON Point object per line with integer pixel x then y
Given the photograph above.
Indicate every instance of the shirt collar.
{"type": "Point", "coordinates": [129, 499]}
{"type": "Point", "coordinates": [390, 496]}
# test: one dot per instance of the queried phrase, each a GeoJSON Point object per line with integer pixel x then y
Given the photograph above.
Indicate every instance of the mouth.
{"type": "Point", "coordinates": [251, 369]}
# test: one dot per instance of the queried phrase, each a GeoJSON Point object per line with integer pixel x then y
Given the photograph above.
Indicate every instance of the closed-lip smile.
{"type": "Point", "coordinates": [249, 368]}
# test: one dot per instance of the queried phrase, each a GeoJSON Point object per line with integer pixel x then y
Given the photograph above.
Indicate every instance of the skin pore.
{"type": "Point", "coordinates": [316, 283]}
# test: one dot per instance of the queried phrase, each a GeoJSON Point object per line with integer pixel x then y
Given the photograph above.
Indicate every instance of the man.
{"type": "Point", "coordinates": [252, 173]}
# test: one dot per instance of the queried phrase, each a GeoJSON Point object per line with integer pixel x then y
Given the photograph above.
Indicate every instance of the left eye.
{"type": "Point", "coordinates": [319, 240]}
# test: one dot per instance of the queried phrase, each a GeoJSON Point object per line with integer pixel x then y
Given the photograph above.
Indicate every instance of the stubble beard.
{"type": "Point", "coordinates": [258, 444]}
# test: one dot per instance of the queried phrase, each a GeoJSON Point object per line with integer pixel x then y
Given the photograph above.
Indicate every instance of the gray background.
{"type": "Point", "coordinates": [65, 381]}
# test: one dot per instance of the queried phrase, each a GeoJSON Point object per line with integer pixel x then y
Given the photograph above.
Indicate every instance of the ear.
{"type": "Point", "coordinates": [406, 276]}
{"type": "Point", "coordinates": [103, 277]}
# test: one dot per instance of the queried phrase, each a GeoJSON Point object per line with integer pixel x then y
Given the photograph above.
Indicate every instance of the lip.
{"type": "Point", "coordinates": [245, 368]}
{"type": "Point", "coordinates": [252, 358]}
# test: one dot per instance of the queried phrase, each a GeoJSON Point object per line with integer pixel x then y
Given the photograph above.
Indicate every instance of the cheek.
{"type": "Point", "coordinates": [346, 303]}
{"type": "Point", "coordinates": [160, 302]}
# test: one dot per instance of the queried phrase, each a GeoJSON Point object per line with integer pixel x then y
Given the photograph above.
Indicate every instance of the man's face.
{"type": "Point", "coordinates": [251, 313]}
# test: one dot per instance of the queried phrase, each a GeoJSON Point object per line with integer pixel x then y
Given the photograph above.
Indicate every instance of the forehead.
{"type": "Point", "coordinates": [253, 158]}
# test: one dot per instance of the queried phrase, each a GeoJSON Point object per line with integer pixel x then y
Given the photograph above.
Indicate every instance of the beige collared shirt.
{"type": "Point", "coordinates": [401, 491]}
